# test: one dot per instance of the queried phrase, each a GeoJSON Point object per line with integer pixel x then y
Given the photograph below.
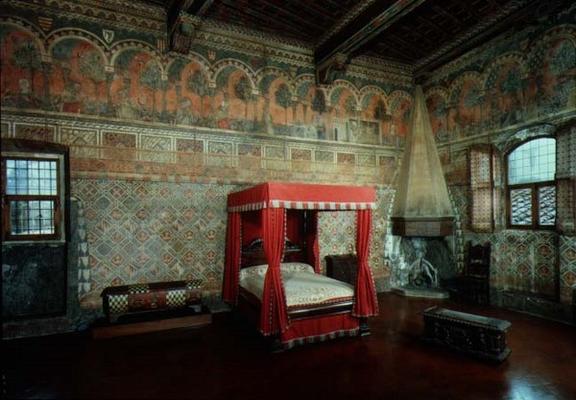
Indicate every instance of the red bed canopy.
{"type": "Point", "coordinates": [302, 196]}
{"type": "Point", "coordinates": [272, 199]}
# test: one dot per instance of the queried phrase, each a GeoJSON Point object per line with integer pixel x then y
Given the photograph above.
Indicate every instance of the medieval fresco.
{"type": "Point", "coordinates": [23, 79]}
{"type": "Point", "coordinates": [527, 77]}
{"type": "Point", "coordinates": [76, 73]}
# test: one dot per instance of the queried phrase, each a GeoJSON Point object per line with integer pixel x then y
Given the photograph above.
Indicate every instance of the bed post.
{"type": "Point", "coordinates": [232, 266]}
{"type": "Point", "coordinates": [364, 328]}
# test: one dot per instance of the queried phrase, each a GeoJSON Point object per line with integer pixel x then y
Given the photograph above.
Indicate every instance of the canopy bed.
{"type": "Point", "coordinates": [272, 272]}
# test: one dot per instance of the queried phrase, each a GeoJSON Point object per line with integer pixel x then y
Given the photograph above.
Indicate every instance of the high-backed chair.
{"type": "Point", "coordinates": [477, 272]}
{"type": "Point", "coordinates": [474, 282]}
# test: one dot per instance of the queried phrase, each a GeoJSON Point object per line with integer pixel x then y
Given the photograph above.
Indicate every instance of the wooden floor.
{"type": "Point", "coordinates": [227, 361]}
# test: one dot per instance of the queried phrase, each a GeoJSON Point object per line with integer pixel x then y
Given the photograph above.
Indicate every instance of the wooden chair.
{"type": "Point", "coordinates": [474, 283]}
{"type": "Point", "coordinates": [477, 273]}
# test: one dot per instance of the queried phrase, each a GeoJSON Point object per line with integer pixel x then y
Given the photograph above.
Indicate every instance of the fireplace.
{"type": "Point", "coordinates": [422, 213]}
{"type": "Point", "coordinates": [420, 264]}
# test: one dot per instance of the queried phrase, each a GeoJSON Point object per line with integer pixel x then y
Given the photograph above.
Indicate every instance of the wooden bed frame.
{"type": "Point", "coordinates": [249, 305]}
{"type": "Point", "coordinates": [275, 211]}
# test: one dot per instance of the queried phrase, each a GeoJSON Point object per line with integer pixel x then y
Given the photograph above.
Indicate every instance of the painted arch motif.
{"type": "Point", "coordinates": [505, 87]}
{"type": "Point", "coordinates": [375, 118]}
{"type": "Point", "coordinates": [234, 102]}
{"type": "Point", "coordinates": [343, 115]}
{"type": "Point", "coordinates": [78, 79]}
{"type": "Point", "coordinates": [188, 93]}
{"type": "Point", "coordinates": [437, 104]}
{"type": "Point", "coordinates": [137, 89]}
{"type": "Point", "coordinates": [400, 107]}
{"type": "Point", "coordinates": [557, 84]}
{"type": "Point", "coordinates": [311, 109]}
{"type": "Point", "coordinates": [23, 79]}
{"type": "Point", "coordinates": [80, 74]}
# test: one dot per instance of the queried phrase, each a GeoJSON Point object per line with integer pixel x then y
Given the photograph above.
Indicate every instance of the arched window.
{"type": "Point", "coordinates": [531, 187]}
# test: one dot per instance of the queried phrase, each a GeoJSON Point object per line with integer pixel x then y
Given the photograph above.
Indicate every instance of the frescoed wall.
{"type": "Point", "coordinates": [75, 71]}
{"type": "Point", "coordinates": [157, 140]}
{"type": "Point", "coordinates": [512, 81]}
{"type": "Point", "coordinates": [490, 95]}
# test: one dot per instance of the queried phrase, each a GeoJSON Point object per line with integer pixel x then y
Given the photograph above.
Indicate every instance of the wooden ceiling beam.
{"type": "Point", "coordinates": [501, 19]}
{"type": "Point", "coordinates": [446, 14]}
{"type": "Point", "coordinates": [290, 14]}
{"type": "Point", "coordinates": [199, 8]}
{"type": "Point", "coordinates": [231, 4]}
{"type": "Point", "coordinates": [313, 9]}
{"type": "Point", "coordinates": [431, 24]}
{"type": "Point", "coordinates": [399, 43]}
{"type": "Point", "coordinates": [402, 45]}
{"type": "Point", "coordinates": [386, 51]}
{"type": "Point", "coordinates": [429, 41]}
{"type": "Point", "coordinates": [335, 52]}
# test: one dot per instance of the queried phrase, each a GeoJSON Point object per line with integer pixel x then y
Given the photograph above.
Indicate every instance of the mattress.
{"type": "Point", "coordinates": [302, 286]}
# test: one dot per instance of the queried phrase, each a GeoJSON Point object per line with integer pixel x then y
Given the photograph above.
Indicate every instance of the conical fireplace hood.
{"type": "Point", "coordinates": [422, 206]}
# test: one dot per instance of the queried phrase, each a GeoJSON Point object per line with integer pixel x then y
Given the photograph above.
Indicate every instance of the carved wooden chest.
{"type": "Point", "coordinates": [120, 301]}
{"type": "Point", "coordinates": [479, 336]}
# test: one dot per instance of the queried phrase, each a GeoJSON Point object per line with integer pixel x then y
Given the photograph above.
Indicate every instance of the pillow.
{"type": "Point", "coordinates": [260, 270]}
{"type": "Point", "coordinates": [296, 267]}
{"type": "Point", "coordinates": [258, 244]}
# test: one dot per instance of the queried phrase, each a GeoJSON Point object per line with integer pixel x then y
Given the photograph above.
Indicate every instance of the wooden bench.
{"type": "Point", "coordinates": [476, 335]}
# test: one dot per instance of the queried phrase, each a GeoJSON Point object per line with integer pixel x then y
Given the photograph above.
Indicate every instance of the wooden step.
{"type": "Point", "coordinates": [136, 328]}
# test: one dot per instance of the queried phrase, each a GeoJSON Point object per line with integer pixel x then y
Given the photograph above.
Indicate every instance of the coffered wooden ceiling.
{"type": "Point", "coordinates": [422, 33]}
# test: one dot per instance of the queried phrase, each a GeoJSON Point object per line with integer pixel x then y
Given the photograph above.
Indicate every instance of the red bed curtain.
{"type": "Point", "coordinates": [273, 313]}
{"type": "Point", "coordinates": [232, 266]}
{"type": "Point", "coordinates": [366, 303]}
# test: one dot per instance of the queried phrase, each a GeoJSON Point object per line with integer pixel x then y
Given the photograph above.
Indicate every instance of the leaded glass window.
{"type": "Point", "coordinates": [31, 197]}
{"type": "Point", "coordinates": [531, 186]}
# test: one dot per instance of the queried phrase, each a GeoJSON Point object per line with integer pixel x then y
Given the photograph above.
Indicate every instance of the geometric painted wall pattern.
{"type": "Point", "coordinates": [140, 231]}
{"type": "Point", "coordinates": [153, 231]}
{"type": "Point", "coordinates": [522, 260]}
{"type": "Point", "coordinates": [567, 250]}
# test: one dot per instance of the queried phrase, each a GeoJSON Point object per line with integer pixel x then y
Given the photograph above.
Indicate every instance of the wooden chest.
{"type": "Point", "coordinates": [342, 267]}
{"type": "Point", "coordinates": [472, 334]}
{"type": "Point", "coordinates": [119, 301]}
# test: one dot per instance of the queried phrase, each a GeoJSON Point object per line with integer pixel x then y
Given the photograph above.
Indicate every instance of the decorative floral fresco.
{"type": "Point", "coordinates": [74, 72]}
{"type": "Point", "coordinates": [529, 76]}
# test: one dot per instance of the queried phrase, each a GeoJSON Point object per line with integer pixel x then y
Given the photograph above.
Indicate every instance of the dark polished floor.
{"type": "Point", "coordinates": [227, 361]}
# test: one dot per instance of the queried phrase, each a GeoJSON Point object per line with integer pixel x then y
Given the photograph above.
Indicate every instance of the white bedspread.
{"type": "Point", "coordinates": [301, 285]}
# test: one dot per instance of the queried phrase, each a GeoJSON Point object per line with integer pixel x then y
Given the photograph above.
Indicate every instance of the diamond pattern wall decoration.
{"type": "Point", "coordinates": [522, 260]}
{"type": "Point", "coordinates": [567, 251]}
{"type": "Point", "coordinates": [144, 232]}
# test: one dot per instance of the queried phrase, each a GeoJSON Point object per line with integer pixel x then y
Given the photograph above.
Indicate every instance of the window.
{"type": "Point", "coordinates": [32, 196]}
{"type": "Point", "coordinates": [531, 187]}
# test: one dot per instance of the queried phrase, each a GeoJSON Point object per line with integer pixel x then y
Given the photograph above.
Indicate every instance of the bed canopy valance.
{"type": "Point", "coordinates": [274, 210]}
{"type": "Point", "coordinates": [302, 196]}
